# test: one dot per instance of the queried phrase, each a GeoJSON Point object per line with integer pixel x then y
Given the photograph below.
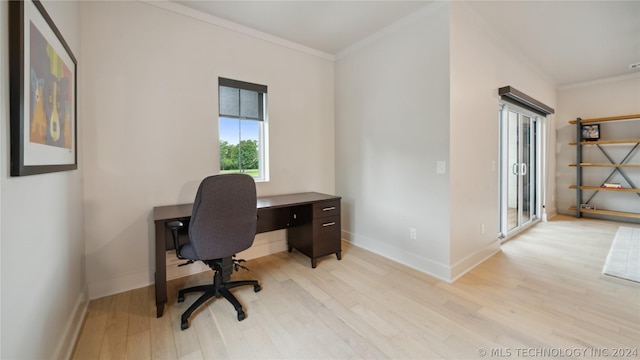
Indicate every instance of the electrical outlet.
{"type": "Point", "coordinates": [413, 234]}
{"type": "Point", "coordinates": [482, 229]}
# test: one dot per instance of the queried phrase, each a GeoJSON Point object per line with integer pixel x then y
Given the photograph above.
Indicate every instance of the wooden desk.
{"type": "Point", "coordinates": [312, 220]}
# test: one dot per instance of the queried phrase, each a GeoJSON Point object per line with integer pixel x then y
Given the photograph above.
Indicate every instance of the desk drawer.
{"type": "Point", "coordinates": [326, 208]}
{"type": "Point", "coordinates": [326, 235]}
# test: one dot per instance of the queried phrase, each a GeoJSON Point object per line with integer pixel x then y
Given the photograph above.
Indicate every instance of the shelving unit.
{"type": "Point", "coordinates": [618, 167]}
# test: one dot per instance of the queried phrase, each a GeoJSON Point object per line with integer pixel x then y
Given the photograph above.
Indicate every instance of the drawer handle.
{"type": "Point", "coordinates": [329, 208]}
{"type": "Point", "coordinates": [329, 223]}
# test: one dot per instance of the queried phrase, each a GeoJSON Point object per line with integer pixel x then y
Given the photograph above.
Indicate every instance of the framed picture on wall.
{"type": "Point", "coordinates": [43, 93]}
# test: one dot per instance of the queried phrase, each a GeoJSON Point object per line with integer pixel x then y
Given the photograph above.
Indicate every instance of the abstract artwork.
{"type": "Point", "coordinates": [42, 93]}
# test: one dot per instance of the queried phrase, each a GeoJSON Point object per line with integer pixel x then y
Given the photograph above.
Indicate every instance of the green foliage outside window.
{"type": "Point", "coordinates": [241, 157]}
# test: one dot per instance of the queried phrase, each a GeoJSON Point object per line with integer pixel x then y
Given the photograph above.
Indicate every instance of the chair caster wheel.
{"type": "Point", "coordinates": [241, 315]}
{"type": "Point", "coordinates": [180, 298]}
{"type": "Point", "coordinates": [184, 324]}
{"type": "Point", "coordinates": [257, 288]}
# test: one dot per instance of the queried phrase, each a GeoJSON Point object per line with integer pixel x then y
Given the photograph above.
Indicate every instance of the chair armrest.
{"type": "Point", "coordinates": [174, 227]}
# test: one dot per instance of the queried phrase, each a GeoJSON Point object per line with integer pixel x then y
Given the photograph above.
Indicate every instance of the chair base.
{"type": "Point", "coordinates": [219, 288]}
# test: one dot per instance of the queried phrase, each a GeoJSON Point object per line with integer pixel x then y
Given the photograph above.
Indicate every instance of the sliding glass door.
{"type": "Point", "coordinates": [519, 168]}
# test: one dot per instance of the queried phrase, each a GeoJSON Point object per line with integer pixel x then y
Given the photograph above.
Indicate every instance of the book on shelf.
{"type": "Point", "coordinates": [611, 185]}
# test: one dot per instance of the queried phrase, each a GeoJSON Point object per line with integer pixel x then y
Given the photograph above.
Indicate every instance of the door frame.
{"type": "Point", "coordinates": [538, 157]}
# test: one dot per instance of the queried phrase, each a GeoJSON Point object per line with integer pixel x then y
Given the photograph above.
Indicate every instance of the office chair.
{"type": "Point", "coordinates": [223, 223]}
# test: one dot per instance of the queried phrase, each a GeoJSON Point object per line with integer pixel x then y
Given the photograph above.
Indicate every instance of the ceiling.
{"type": "Point", "coordinates": [328, 26]}
{"type": "Point", "coordinates": [570, 41]}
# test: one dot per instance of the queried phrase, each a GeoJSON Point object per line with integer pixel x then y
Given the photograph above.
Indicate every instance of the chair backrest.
{"type": "Point", "coordinates": [224, 216]}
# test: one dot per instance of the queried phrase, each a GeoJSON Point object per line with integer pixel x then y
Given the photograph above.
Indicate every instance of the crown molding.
{"type": "Point", "coordinates": [600, 81]}
{"type": "Point", "coordinates": [230, 25]}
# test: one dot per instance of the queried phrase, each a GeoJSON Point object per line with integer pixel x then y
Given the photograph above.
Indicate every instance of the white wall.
{"type": "Point", "coordinates": [392, 126]}
{"type": "Point", "coordinates": [481, 62]}
{"type": "Point", "coordinates": [150, 82]}
{"type": "Point", "coordinates": [423, 91]}
{"type": "Point", "coordinates": [604, 98]}
{"type": "Point", "coordinates": [43, 274]}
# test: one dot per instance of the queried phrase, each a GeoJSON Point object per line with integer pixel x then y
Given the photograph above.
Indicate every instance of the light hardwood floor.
{"type": "Point", "coordinates": [544, 294]}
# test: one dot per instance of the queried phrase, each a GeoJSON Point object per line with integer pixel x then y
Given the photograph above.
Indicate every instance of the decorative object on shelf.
{"type": "Point", "coordinates": [43, 83]}
{"type": "Point", "coordinates": [591, 132]}
{"type": "Point", "coordinates": [588, 134]}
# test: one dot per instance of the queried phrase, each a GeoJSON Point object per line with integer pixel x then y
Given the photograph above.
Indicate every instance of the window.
{"type": "Point", "coordinates": [242, 125]}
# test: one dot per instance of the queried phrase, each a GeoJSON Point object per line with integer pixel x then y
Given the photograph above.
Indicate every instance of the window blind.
{"type": "Point", "coordinates": [241, 100]}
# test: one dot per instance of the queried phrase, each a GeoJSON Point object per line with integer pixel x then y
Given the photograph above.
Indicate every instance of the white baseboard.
{"type": "Point", "coordinates": [422, 264]}
{"type": "Point", "coordinates": [441, 271]}
{"type": "Point", "coordinates": [72, 330]}
{"type": "Point", "coordinates": [467, 264]}
{"type": "Point", "coordinates": [106, 287]}
{"type": "Point", "coordinates": [264, 244]}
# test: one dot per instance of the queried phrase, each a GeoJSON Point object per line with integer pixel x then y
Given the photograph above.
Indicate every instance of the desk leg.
{"type": "Point", "coordinates": [161, 269]}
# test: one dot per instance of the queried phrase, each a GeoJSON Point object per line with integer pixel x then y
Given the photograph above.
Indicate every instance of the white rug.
{"type": "Point", "coordinates": [623, 260]}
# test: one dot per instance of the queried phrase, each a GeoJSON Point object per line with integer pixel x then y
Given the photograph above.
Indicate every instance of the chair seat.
{"type": "Point", "coordinates": [188, 252]}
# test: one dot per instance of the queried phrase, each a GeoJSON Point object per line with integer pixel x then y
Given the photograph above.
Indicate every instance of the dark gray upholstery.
{"type": "Point", "coordinates": [223, 223]}
{"type": "Point", "coordinates": [223, 220]}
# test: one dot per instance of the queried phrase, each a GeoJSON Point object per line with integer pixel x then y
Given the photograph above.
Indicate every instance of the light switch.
{"type": "Point", "coordinates": [441, 167]}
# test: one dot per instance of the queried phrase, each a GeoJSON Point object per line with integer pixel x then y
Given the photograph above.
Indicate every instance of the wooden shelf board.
{"type": "Point", "coordinates": [598, 188]}
{"type": "Point", "coordinates": [605, 142]}
{"type": "Point", "coordinates": [608, 212]}
{"type": "Point", "coordinates": [603, 119]}
{"type": "Point", "coordinates": [608, 165]}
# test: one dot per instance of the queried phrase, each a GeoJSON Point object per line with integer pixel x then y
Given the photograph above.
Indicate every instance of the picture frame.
{"type": "Point", "coordinates": [42, 93]}
{"type": "Point", "coordinates": [591, 132]}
